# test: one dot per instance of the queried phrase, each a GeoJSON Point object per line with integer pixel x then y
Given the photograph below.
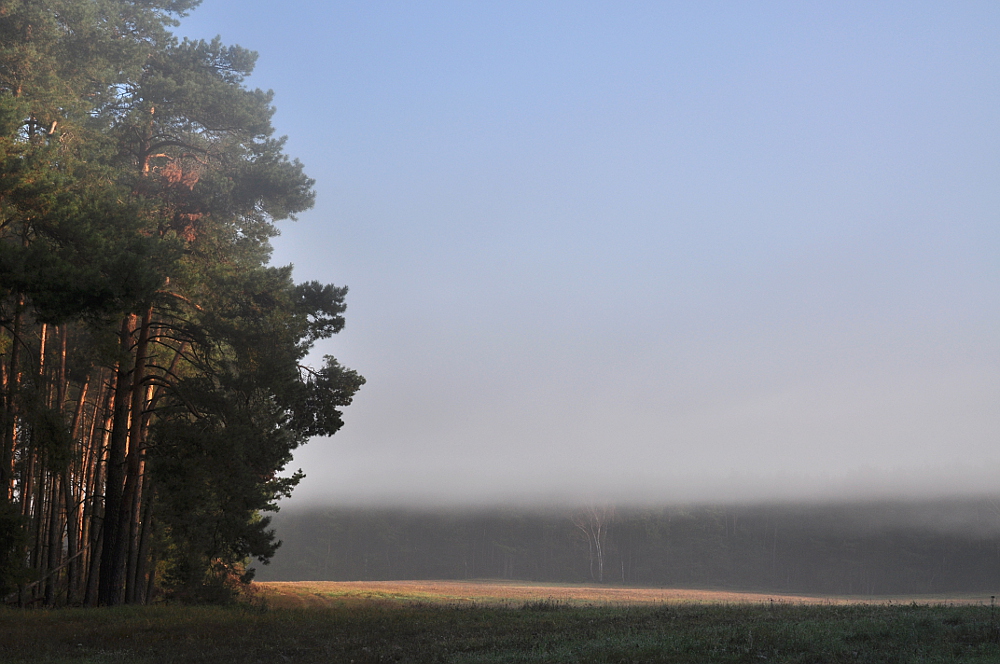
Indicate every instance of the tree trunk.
{"type": "Point", "coordinates": [55, 531]}
{"type": "Point", "coordinates": [97, 483]}
{"type": "Point", "coordinates": [122, 494]}
{"type": "Point", "coordinates": [135, 461]}
{"type": "Point", "coordinates": [113, 541]}
{"type": "Point", "coordinates": [72, 507]}
{"type": "Point", "coordinates": [71, 502]}
{"type": "Point", "coordinates": [141, 592]}
{"type": "Point", "coordinates": [13, 389]}
{"type": "Point", "coordinates": [11, 404]}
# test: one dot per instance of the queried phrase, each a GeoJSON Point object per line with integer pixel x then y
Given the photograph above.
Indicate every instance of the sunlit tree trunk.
{"type": "Point", "coordinates": [135, 460]}
{"type": "Point", "coordinates": [114, 540]}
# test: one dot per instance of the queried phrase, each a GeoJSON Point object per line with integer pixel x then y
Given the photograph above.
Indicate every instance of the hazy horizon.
{"type": "Point", "coordinates": [646, 252]}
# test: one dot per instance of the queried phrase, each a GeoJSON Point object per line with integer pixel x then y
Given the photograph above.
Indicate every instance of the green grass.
{"type": "Point", "coordinates": [537, 631]}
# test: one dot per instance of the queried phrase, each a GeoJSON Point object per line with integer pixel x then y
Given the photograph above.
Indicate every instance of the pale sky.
{"type": "Point", "coordinates": [646, 250]}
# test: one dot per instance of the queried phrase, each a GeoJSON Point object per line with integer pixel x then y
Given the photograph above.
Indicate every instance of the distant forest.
{"type": "Point", "coordinates": [856, 549]}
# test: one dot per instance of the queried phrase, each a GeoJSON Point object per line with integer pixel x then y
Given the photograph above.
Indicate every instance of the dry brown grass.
{"type": "Point", "coordinates": [302, 594]}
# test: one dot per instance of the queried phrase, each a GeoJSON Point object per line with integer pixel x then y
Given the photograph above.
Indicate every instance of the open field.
{"type": "Point", "coordinates": [300, 594]}
{"type": "Point", "coordinates": [492, 622]}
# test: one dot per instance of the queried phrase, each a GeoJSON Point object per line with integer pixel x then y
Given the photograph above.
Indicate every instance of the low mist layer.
{"type": "Point", "coordinates": [873, 548]}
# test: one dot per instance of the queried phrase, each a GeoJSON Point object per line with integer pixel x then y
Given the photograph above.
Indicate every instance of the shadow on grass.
{"type": "Point", "coordinates": [541, 630]}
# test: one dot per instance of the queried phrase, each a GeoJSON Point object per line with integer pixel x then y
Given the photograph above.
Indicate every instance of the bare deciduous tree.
{"type": "Point", "coordinates": [593, 523]}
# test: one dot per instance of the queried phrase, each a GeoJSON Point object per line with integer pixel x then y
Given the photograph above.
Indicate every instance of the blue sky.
{"type": "Point", "coordinates": [646, 251]}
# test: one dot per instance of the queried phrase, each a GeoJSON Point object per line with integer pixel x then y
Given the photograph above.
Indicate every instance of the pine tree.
{"type": "Point", "coordinates": [152, 387]}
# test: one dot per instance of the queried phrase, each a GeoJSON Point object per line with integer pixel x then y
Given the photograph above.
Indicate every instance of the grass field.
{"type": "Point", "coordinates": [513, 593]}
{"type": "Point", "coordinates": [506, 622]}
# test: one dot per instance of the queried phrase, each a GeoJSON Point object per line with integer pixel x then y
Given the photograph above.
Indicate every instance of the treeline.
{"type": "Point", "coordinates": [151, 377]}
{"type": "Point", "coordinates": [866, 549]}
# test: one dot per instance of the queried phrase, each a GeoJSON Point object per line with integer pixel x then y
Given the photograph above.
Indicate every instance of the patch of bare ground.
{"type": "Point", "coordinates": [316, 594]}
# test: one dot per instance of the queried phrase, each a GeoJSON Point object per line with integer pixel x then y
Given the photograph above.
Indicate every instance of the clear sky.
{"type": "Point", "coordinates": [646, 250]}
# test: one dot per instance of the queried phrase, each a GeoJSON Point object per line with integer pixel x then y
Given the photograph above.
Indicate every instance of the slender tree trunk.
{"type": "Point", "coordinates": [136, 532]}
{"type": "Point", "coordinates": [61, 380]}
{"type": "Point", "coordinates": [599, 546]}
{"type": "Point", "coordinates": [93, 451]}
{"type": "Point", "coordinates": [55, 531]}
{"type": "Point", "coordinates": [590, 551]}
{"type": "Point", "coordinates": [92, 590]}
{"type": "Point", "coordinates": [113, 541]}
{"type": "Point", "coordinates": [43, 506]}
{"type": "Point", "coordinates": [135, 461]}
{"type": "Point", "coordinates": [37, 513]}
{"type": "Point", "coordinates": [13, 385]}
{"type": "Point", "coordinates": [151, 578]}
{"type": "Point", "coordinates": [124, 466]}
{"type": "Point", "coordinates": [72, 507]}
{"type": "Point", "coordinates": [70, 501]}
{"type": "Point", "coordinates": [27, 485]}
{"type": "Point", "coordinates": [94, 507]}
{"type": "Point", "coordinates": [141, 591]}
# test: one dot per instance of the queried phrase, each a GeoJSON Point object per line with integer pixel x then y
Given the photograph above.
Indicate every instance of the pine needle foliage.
{"type": "Point", "coordinates": [152, 378]}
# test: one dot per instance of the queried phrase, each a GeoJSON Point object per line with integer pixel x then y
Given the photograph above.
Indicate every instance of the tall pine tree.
{"type": "Point", "coordinates": [152, 379]}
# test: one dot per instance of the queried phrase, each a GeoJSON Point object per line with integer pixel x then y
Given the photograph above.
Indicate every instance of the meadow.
{"type": "Point", "coordinates": [510, 622]}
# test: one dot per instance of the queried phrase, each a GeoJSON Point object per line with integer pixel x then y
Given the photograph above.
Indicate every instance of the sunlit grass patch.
{"type": "Point", "coordinates": [506, 593]}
